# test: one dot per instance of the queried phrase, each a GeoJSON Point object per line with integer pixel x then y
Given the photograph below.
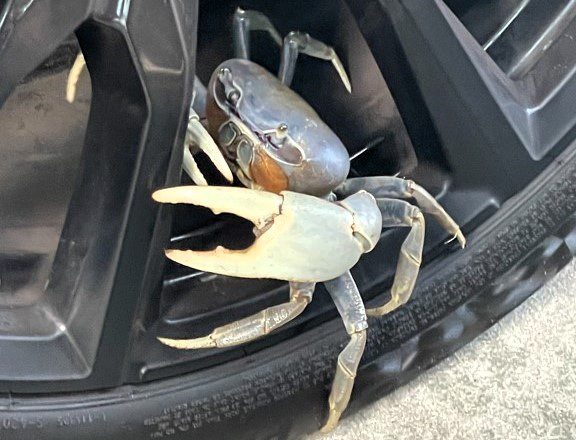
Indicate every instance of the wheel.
{"type": "Point", "coordinates": [444, 93]}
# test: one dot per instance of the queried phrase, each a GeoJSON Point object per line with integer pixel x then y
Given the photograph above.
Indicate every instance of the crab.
{"type": "Point", "coordinates": [311, 223]}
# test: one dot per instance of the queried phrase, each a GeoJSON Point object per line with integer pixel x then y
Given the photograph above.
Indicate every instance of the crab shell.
{"type": "Point", "coordinates": [265, 104]}
{"type": "Point", "coordinates": [298, 237]}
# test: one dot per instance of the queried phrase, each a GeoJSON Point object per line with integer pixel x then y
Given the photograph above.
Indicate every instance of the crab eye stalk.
{"type": "Point", "coordinates": [282, 148]}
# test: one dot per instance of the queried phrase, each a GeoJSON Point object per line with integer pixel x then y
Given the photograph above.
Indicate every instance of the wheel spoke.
{"type": "Point", "coordinates": [474, 109]}
{"type": "Point", "coordinates": [30, 32]}
{"type": "Point", "coordinates": [110, 257]}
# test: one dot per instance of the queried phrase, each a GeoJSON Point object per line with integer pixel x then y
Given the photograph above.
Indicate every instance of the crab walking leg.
{"type": "Point", "coordinates": [400, 213]}
{"type": "Point", "coordinates": [252, 327]}
{"type": "Point", "coordinates": [245, 21]}
{"type": "Point", "coordinates": [197, 135]}
{"type": "Point", "coordinates": [296, 42]}
{"type": "Point", "coordinates": [388, 186]}
{"type": "Point", "coordinates": [73, 77]}
{"type": "Point", "coordinates": [349, 303]}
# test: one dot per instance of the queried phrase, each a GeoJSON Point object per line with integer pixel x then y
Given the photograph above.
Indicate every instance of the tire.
{"type": "Point", "coordinates": [277, 387]}
{"type": "Point", "coordinates": [280, 392]}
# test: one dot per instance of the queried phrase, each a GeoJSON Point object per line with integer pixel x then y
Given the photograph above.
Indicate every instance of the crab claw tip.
{"type": "Point", "coordinates": [162, 195]}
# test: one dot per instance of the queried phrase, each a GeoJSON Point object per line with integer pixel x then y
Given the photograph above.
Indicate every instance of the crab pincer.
{"type": "Point", "coordinates": [298, 237]}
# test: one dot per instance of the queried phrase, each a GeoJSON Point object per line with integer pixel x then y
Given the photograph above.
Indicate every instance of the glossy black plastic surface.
{"type": "Point", "coordinates": [532, 44]}
{"type": "Point", "coordinates": [79, 327]}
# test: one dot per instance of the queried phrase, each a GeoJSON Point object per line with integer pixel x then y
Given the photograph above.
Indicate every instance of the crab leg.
{"type": "Point", "coordinates": [73, 77]}
{"type": "Point", "coordinates": [246, 21]}
{"type": "Point", "coordinates": [296, 42]}
{"type": "Point", "coordinates": [400, 213]}
{"type": "Point", "coordinates": [388, 186]}
{"type": "Point", "coordinates": [197, 135]}
{"type": "Point", "coordinates": [252, 327]}
{"type": "Point", "coordinates": [348, 301]}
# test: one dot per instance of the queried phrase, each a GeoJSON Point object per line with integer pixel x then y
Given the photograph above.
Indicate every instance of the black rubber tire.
{"type": "Point", "coordinates": [281, 392]}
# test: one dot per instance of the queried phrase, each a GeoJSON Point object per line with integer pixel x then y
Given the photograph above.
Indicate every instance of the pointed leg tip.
{"type": "Point", "coordinates": [188, 344]}
{"type": "Point", "coordinates": [461, 239]}
{"type": "Point", "coordinates": [459, 236]}
{"type": "Point", "coordinates": [345, 79]}
{"type": "Point", "coordinates": [331, 423]}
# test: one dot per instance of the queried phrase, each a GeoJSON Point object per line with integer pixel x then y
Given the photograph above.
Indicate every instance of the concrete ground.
{"type": "Point", "coordinates": [515, 381]}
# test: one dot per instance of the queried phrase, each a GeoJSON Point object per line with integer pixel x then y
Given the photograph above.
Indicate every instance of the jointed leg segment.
{"type": "Point", "coordinates": [252, 327]}
{"type": "Point", "coordinates": [294, 43]}
{"type": "Point", "coordinates": [246, 21]}
{"type": "Point", "coordinates": [401, 213]}
{"type": "Point", "coordinates": [396, 187]}
{"type": "Point", "coordinates": [350, 306]}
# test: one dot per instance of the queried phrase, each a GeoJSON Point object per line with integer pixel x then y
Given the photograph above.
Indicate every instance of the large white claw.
{"type": "Point", "coordinates": [196, 134]}
{"type": "Point", "coordinates": [299, 237]}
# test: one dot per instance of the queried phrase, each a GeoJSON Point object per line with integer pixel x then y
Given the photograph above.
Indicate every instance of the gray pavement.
{"type": "Point", "coordinates": [515, 381]}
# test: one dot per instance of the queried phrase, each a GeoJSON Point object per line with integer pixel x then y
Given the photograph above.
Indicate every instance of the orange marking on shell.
{"type": "Point", "coordinates": [267, 173]}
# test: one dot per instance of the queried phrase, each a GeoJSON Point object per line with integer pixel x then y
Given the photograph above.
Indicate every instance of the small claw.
{"type": "Point", "coordinates": [191, 168]}
{"type": "Point", "coordinates": [73, 77]}
{"type": "Point", "coordinates": [189, 344]}
{"type": "Point", "coordinates": [198, 135]}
